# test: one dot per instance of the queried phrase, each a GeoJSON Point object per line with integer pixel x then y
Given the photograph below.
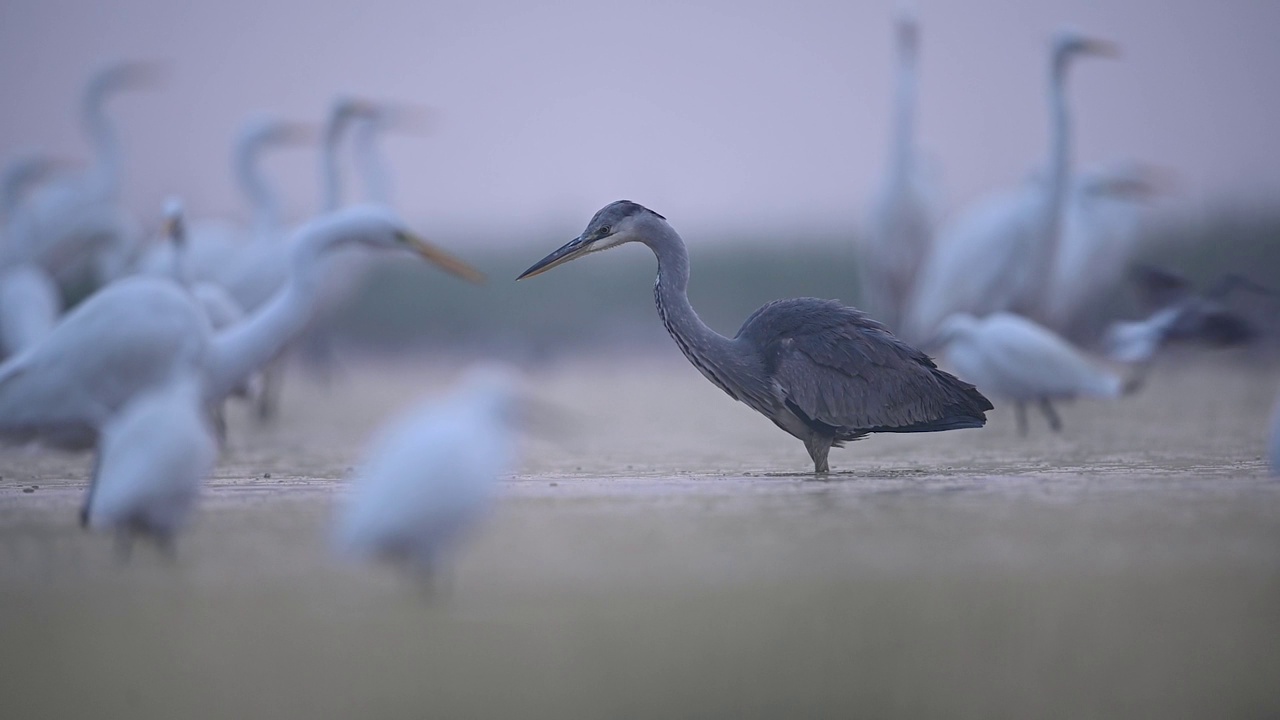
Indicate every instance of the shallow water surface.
{"type": "Point", "coordinates": [664, 554]}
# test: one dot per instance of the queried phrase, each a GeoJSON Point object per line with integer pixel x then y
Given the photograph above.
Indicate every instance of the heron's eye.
{"type": "Point", "coordinates": [604, 231]}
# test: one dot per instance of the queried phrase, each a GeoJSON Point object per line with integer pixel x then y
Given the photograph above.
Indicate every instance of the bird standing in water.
{"type": "Point", "coordinates": [822, 371]}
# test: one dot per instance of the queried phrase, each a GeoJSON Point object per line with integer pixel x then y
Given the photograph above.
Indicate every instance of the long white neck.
{"type": "Point", "coordinates": [263, 202]}
{"type": "Point", "coordinates": [246, 346]}
{"type": "Point", "coordinates": [1045, 251]}
{"type": "Point", "coordinates": [377, 181]}
{"type": "Point", "coordinates": [103, 177]}
{"type": "Point", "coordinates": [902, 158]}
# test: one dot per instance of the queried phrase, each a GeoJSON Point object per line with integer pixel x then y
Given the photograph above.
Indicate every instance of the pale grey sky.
{"type": "Point", "coordinates": [727, 115]}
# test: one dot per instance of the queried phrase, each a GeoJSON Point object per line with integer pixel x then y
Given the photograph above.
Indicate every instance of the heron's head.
{"type": "Point", "coordinates": [1068, 44]}
{"type": "Point", "coordinates": [618, 222]}
{"type": "Point", "coordinates": [375, 227]}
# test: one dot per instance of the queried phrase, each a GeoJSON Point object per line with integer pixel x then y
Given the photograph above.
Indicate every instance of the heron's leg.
{"type": "Point", "coordinates": [818, 448]}
{"type": "Point", "coordinates": [1020, 409]}
{"type": "Point", "coordinates": [93, 484]}
{"type": "Point", "coordinates": [1055, 422]}
{"type": "Point", "coordinates": [219, 417]}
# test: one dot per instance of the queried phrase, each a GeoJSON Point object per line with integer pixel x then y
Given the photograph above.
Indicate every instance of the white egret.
{"type": "Point", "coordinates": [79, 219]}
{"type": "Point", "coordinates": [128, 337]}
{"type": "Point", "coordinates": [900, 233]}
{"type": "Point", "coordinates": [29, 300]}
{"type": "Point", "coordinates": [1100, 231]}
{"type": "Point", "coordinates": [998, 255]}
{"type": "Point", "coordinates": [256, 275]}
{"type": "Point", "coordinates": [1014, 358]}
{"type": "Point", "coordinates": [153, 456]}
{"type": "Point", "coordinates": [234, 256]}
{"type": "Point", "coordinates": [429, 476]}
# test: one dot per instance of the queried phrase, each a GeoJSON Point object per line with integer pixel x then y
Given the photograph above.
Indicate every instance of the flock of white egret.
{"type": "Point", "coordinates": [139, 370]}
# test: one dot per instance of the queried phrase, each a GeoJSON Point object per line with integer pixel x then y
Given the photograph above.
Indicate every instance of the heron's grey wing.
{"type": "Point", "coordinates": [838, 368]}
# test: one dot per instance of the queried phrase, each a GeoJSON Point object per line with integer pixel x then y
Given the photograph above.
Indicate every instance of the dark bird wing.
{"type": "Point", "coordinates": [1158, 288]}
{"type": "Point", "coordinates": [844, 373]}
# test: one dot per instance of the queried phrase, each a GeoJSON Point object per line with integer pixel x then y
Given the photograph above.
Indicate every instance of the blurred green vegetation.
{"type": "Point", "coordinates": [593, 302]}
{"type": "Point", "coordinates": [607, 301]}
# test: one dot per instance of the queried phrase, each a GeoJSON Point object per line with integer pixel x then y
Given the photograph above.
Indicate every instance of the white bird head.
{"type": "Point", "coordinates": [1070, 43]}
{"type": "Point", "coordinates": [376, 227]}
{"type": "Point", "coordinates": [263, 130]}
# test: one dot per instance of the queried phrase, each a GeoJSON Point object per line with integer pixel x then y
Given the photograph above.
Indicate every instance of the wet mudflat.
{"type": "Point", "coordinates": [665, 555]}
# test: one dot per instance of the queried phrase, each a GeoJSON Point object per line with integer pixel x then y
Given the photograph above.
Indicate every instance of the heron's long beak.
{"type": "Point", "coordinates": [442, 259]}
{"type": "Point", "coordinates": [570, 250]}
{"type": "Point", "coordinates": [1102, 48]}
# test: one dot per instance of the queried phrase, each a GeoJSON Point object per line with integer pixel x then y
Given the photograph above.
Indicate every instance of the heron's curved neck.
{"type": "Point", "coordinates": [263, 202]}
{"type": "Point", "coordinates": [104, 176]}
{"type": "Point", "coordinates": [904, 115]}
{"type": "Point", "coordinates": [698, 342]}
{"type": "Point", "coordinates": [246, 346]}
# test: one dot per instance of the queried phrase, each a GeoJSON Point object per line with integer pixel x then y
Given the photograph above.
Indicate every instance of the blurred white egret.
{"type": "Point", "coordinates": [344, 270]}
{"type": "Point", "coordinates": [78, 221]}
{"type": "Point", "coordinates": [128, 337]}
{"type": "Point", "coordinates": [1011, 357]}
{"type": "Point", "coordinates": [29, 298]}
{"type": "Point", "coordinates": [153, 456]}
{"type": "Point", "coordinates": [997, 256]}
{"type": "Point", "coordinates": [233, 256]}
{"type": "Point", "coordinates": [901, 229]}
{"type": "Point", "coordinates": [1100, 231]}
{"type": "Point", "coordinates": [428, 476]}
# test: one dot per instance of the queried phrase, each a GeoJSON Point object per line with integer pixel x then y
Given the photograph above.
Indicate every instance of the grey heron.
{"type": "Point", "coordinates": [820, 370]}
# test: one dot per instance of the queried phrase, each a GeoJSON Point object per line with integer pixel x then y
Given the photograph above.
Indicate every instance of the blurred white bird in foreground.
{"type": "Point", "coordinates": [998, 255]}
{"type": "Point", "coordinates": [428, 477]}
{"type": "Point", "coordinates": [153, 457]}
{"type": "Point", "coordinates": [1011, 357]}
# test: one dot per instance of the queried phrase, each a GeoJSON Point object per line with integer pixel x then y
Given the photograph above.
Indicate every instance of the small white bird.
{"type": "Point", "coordinates": [429, 476]}
{"type": "Point", "coordinates": [153, 456]}
{"type": "Point", "coordinates": [1009, 356]}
